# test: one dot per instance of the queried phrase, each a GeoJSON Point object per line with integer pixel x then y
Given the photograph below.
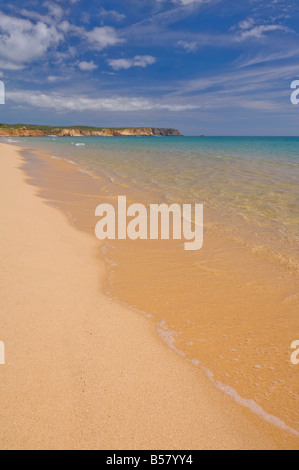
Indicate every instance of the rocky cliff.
{"type": "Point", "coordinates": [35, 131]}
{"type": "Point", "coordinates": [20, 133]}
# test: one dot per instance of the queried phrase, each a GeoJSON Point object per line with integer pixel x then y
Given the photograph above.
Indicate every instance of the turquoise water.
{"type": "Point", "coordinates": [251, 182]}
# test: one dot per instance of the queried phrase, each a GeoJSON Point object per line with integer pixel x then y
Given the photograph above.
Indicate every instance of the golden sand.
{"type": "Point", "coordinates": [83, 372]}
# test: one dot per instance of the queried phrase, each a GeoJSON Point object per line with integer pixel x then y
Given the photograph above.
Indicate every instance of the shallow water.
{"type": "Point", "coordinates": [231, 308]}
{"type": "Point", "coordinates": [255, 179]}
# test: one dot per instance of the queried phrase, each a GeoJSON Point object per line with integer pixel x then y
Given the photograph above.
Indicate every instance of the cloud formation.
{"type": "Point", "coordinates": [87, 66]}
{"type": "Point", "coordinates": [63, 102]}
{"type": "Point", "coordinates": [249, 29]}
{"type": "Point", "coordinates": [212, 55]}
{"type": "Point", "coordinates": [100, 38]}
{"type": "Point", "coordinates": [26, 40]}
{"type": "Point", "coordinates": [189, 2]}
{"type": "Point", "coordinates": [112, 14]}
{"type": "Point", "coordinates": [22, 41]}
{"type": "Point", "coordinates": [188, 46]}
{"type": "Point", "coordinates": [137, 61]}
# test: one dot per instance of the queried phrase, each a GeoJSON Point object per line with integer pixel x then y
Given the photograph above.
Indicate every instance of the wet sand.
{"type": "Point", "coordinates": [83, 372]}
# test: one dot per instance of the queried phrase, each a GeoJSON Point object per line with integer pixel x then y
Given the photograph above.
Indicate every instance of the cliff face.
{"type": "Point", "coordinates": [166, 132]}
{"type": "Point", "coordinates": [67, 132]}
{"type": "Point", "coordinates": [20, 133]}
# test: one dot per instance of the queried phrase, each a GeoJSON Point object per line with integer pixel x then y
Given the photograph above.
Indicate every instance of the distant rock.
{"type": "Point", "coordinates": [43, 131]}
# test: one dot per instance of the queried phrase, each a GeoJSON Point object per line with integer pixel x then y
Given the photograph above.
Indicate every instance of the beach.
{"type": "Point", "coordinates": [230, 308]}
{"type": "Point", "coordinates": [82, 371]}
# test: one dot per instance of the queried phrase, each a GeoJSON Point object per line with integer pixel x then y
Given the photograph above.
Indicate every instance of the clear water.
{"type": "Point", "coordinates": [256, 179]}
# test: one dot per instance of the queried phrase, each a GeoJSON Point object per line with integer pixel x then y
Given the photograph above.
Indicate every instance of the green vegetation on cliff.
{"type": "Point", "coordinates": [32, 130]}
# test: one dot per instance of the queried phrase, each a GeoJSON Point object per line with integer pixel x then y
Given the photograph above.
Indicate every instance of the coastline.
{"type": "Point", "coordinates": [80, 131]}
{"type": "Point", "coordinates": [83, 372]}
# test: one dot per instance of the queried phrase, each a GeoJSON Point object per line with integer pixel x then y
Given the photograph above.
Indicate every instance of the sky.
{"type": "Point", "coordinates": [213, 67]}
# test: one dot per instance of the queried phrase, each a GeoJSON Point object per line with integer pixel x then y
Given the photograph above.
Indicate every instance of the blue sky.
{"type": "Point", "coordinates": [215, 67]}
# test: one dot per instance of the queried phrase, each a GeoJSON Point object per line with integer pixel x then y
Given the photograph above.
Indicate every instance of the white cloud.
{"type": "Point", "coordinates": [100, 38]}
{"type": "Point", "coordinates": [33, 15]}
{"type": "Point", "coordinates": [55, 13]}
{"type": "Point", "coordinates": [189, 2]}
{"type": "Point", "coordinates": [25, 40]}
{"type": "Point", "coordinates": [65, 26]}
{"type": "Point", "coordinates": [266, 56]}
{"type": "Point", "coordinates": [112, 14]}
{"type": "Point", "coordinates": [59, 102]}
{"type": "Point", "coordinates": [22, 41]}
{"type": "Point", "coordinates": [259, 31]}
{"type": "Point", "coordinates": [137, 61]}
{"type": "Point", "coordinates": [188, 46]}
{"type": "Point", "coordinates": [119, 64]}
{"type": "Point", "coordinates": [6, 65]}
{"type": "Point", "coordinates": [57, 78]}
{"type": "Point", "coordinates": [54, 10]}
{"type": "Point", "coordinates": [53, 79]}
{"type": "Point", "coordinates": [247, 24]}
{"type": "Point", "coordinates": [87, 66]}
{"type": "Point", "coordinates": [249, 29]}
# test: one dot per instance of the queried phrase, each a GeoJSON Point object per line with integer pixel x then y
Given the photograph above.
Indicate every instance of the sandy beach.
{"type": "Point", "coordinates": [83, 372]}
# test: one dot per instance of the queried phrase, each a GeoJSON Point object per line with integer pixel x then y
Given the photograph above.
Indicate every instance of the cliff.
{"type": "Point", "coordinates": [21, 130]}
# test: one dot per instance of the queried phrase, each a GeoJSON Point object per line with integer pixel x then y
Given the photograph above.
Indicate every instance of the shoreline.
{"type": "Point", "coordinates": [81, 131]}
{"type": "Point", "coordinates": [73, 379]}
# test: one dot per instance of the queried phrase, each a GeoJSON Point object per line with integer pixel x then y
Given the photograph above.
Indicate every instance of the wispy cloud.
{"type": "Point", "coordinates": [240, 80]}
{"type": "Point", "coordinates": [63, 102]}
{"type": "Point", "coordinates": [259, 31]}
{"type": "Point", "coordinates": [57, 78]}
{"type": "Point", "coordinates": [112, 14]}
{"type": "Point", "coordinates": [55, 10]}
{"type": "Point", "coordinates": [249, 29]}
{"type": "Point", "coordinates": [188, 2]}
{"type": "Point", "coordinates": [137, 61]}
{"type": "Point", "coordinates": [188, 46]}
{"type": "Point", "coordinates": [287, 52]}
{"type": "Point", "coordinates": [250, 88]}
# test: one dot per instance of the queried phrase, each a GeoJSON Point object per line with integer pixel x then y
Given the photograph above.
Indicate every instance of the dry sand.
{"type": "Point", "coordinates": [83, 372]}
